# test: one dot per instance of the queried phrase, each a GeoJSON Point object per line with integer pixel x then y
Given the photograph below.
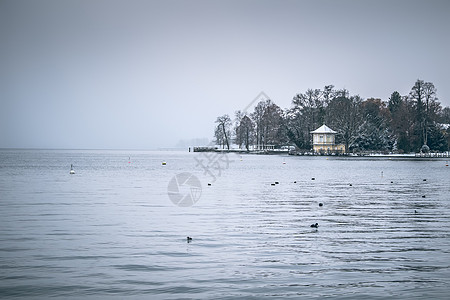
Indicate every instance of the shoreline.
{"type": "Point", "coordinates": [443, 155]}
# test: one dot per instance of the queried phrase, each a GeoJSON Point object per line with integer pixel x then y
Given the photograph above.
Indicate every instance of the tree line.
{"type": "Point", "coordinates": [409, 123]}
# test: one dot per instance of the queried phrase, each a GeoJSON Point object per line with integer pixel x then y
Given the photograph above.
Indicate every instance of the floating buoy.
{"type": "Point", "coordinates": [424, 180]}
{"type": "Point", "coordinates": [163, 163]}
{"type": "Point", "coordinates": [209, 184]}
{"type": "Point", "coordinates": [350, 184]}
{"type": "Point", "coordinates": [71, 170]}
{"type": "Point", "coordinates": [320, 204]}
{"type": "Point", "coordinates": [313, 178]}
{"type": "Point", "coordinates": [277, 182]}
{"type": "Point", "coordinates": [423, 196]}
{"type": "Point", "coordinates": [392, 182]}
{"type": "Point", "coordinates": [295, 181]}
{"type": "Point", "coordinates": [272, 184]}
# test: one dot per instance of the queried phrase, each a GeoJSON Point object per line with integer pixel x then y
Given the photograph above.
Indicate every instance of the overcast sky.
{"type": "Point", "coordinates": [146, 74]}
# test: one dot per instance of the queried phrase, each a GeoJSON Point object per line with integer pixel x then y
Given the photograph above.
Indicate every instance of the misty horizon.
{"type": "Point", "coordinates": [152, 74]}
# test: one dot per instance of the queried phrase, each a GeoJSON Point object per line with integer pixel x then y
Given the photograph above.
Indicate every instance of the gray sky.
{"type": "Point", "coordinates": [145, 74]}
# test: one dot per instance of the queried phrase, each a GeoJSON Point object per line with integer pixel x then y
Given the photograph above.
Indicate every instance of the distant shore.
{"type": "Point", "coordinates": [309, 153]}
{"type": "Point", "coordinates": [241, 151]}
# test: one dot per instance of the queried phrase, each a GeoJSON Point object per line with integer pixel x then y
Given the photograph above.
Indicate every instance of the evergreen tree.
{"type": "Point", "coordinates": [374, 133]}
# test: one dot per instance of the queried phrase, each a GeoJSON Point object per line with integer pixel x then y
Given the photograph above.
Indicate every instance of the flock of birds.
{"type": "Point", "coordinates": [314, 225]}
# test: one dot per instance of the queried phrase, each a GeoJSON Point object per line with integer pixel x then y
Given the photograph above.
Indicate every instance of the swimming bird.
{"type": "Point", "coordinates": [189, 239]}
{"type": "Point", "coordinates": [320, 204]}
{"type": "Point", "coordinates": [71, 170]}
{"type": "Point", "coordinates": [315, 225]}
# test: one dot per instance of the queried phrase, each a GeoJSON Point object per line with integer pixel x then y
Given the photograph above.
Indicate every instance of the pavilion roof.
{"type": "Point", "coordinates": [324, 129]}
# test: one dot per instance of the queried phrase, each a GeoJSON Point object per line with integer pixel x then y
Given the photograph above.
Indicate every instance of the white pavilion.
{"type": "Point", "coordinates": [324, 140]}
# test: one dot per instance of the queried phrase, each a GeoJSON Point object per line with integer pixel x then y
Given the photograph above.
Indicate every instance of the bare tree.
{"type": "Point", "coordinates": [218, 134]}
{"type": "Point", "coordinates": [238, 134]}
{"type": "Point", "coordinates": [309, 103]}
{"type": "Point", "coordinates": [344, 116]}
{"type": "Point", "coordinates": [328, 94]}
{"type": "Point", "coordinates": [296, 128]}
{"type": "Point", "coordinates": [222, 132]}
{"type": "Point", "coordinates": [245, 132]}
{"type": "Point", "coordinates": [258, 119]}
{"type": "Point", "coordinates": [269, 122]}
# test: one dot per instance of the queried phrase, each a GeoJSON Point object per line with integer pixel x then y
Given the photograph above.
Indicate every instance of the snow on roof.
{"type": "Point", "coordinates": [324, 129]}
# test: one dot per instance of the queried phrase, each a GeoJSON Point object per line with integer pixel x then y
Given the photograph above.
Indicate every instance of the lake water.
{"type": "Point", "coordinates": [111, 230]}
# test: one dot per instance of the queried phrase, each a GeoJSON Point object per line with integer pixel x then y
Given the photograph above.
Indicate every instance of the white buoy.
{"type": "Point", "coordinates": [71, 170]}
